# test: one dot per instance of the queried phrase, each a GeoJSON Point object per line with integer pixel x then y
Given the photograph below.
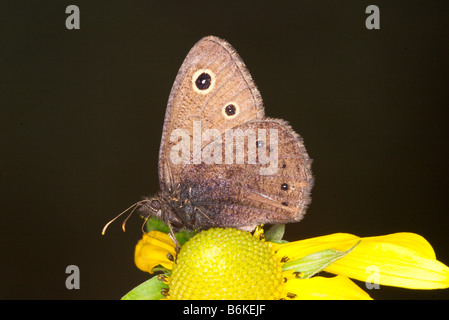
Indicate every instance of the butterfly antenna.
{"type": "Point", "coordinates": [130, 214]}
{"type": "Point", "coordinates": [143, 224]}
{"type": "Point", "coordinates": [133, 207]}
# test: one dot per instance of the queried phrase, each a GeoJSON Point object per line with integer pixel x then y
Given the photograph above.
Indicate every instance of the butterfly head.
{"type": "Point", "coordinates": [146, 208]}
{"type": "Point", "coordinates": [149, 207]}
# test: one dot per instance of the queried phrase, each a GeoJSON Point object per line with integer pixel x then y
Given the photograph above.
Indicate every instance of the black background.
{"type": "Point", "coordinates": [82, 113]}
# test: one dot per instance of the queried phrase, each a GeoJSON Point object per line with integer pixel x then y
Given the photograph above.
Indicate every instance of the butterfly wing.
{"type": "Point", "coordinates": [211, 78]}
{"type": "Point", "coordinates": [246, 195]}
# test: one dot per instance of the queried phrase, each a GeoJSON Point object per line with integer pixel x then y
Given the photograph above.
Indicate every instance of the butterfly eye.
{"type": "Point", "coordinates": [230, 110]}
{"type": "Point", "coordinates": [155, 205]}
{"type": "Point", "coordinates": [203, 81]}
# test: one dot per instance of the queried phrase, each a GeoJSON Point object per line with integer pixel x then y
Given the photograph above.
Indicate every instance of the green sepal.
{"type": "Point", "coordinates": [148, 290]}
{"type": "Point", "coordinates": [154, 224]}
{"type": "Point", "coordinates": [280, 241]}
{"type": "Point", "coordinates": [275, 233]}
{"type": "Point", "coordinates": [183, 236]}
{"type": "Point", "coordinates": [310, 265]}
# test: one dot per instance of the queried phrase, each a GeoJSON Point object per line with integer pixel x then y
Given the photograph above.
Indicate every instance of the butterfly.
{"type": "Point", "coordinates": [222, 162]}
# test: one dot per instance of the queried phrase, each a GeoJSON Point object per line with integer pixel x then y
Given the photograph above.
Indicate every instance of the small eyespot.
{"type": "Point", "coordinates": [284, 166]}
{"type": "Point", "coordinates": [230, 110]}
{"type": "Point", "coordinates": [259, 144]}
{"type": "Point", "coordinates": [203, 81]}
{"type": "Point", "coordinates": [284, 204]}
{"type": "Point", "coordinates": [284, 186]}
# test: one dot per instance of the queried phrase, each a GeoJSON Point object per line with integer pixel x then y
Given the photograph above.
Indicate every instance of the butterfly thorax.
{"type": "Point", "coordinates": [182, 208]}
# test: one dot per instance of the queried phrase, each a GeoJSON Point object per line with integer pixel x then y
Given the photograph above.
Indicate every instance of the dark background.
{"type": "Point", "coordinates": [82, 114]}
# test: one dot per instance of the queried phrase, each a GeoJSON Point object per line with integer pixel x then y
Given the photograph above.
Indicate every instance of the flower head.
{"type": "Point", "coordinates": [225, 263]}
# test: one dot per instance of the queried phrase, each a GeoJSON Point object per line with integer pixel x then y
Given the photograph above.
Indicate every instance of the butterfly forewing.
{"type": "Point", "coordinates": [188, 105]}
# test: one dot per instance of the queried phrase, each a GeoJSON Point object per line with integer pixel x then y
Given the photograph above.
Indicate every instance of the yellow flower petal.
{"type": "Point", "coordinates": [401, 259]}
{"type": "Point", "coordinates": [389, 260]}
{"type": "Point", "coordinates": [344, 241]}
{"type": "Point", "coordinates": [320, 288]}
{"type": "Point", "coordinates": [408, 240]}
{"type": "Point", "coordinates": [298, 249]}
{"type": "Point", "coordinates": [152, 250]}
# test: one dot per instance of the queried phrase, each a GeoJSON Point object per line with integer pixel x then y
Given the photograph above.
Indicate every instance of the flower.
{"type": "Point", "coordinates": [152, 251]}
{"type": "Point", "coordinates": [226, 263]}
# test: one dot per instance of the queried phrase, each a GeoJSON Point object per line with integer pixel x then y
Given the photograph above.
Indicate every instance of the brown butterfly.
{"type": "Point", "coordinates": [214, 168]}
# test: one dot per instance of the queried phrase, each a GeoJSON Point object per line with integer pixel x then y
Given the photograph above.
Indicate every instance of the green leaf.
{"type": "Point", "coordinates": [148, 290]}
{"type": "Point", "coordinates": [310, 265]}
{"type": "Point", "coordinates": [275, 233]}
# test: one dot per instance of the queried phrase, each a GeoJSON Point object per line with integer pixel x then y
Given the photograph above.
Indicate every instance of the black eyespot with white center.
{"type": "Point", "coordinates": [230, 110]}
{"type": "Point", "coordinates": [284, 186]}
{"type": "Point", "coordinates": [203, 81]}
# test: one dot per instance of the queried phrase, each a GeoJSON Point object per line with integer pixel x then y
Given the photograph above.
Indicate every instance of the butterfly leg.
{"type": "Point", "coordinates": [204, 214]}
{"type": "Point", "coordinates": [171, 234]}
